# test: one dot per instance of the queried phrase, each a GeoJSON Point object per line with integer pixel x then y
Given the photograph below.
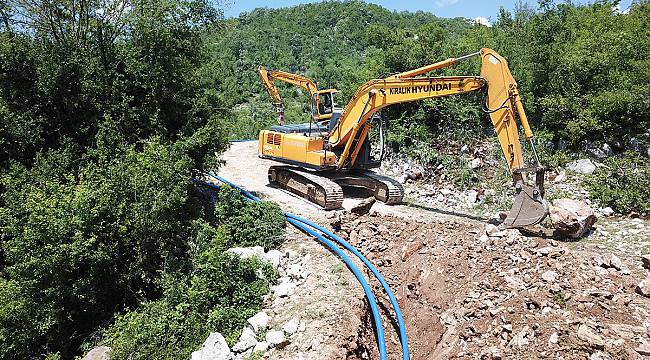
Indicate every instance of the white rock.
{"type": "Point", "coordinates": [582, 166]}
{"type": "Point", "coordinates": [98, 353]}
{"type": "Point", "coordinates": [491, 229]}
{"type": "Point", "coordinates": [560, 177]}
{"type": "Point", "coordinates": [550, 276]}
{"type": "Point", "coordinates": [544, 250]}
{"type": "Point", "coordinates": [276, 338]}
{"type": "Point", "coordinates": [615, 262]}
{"type": "Point", "coordinates": [292, 326]}
{"type": "Point", "coordinates": [261, 346]}
{"type": "Point", "coordinates": [553, 339]}
{"type": "Point", "coordinates": [247, 252]}
{"type": "Point", "coordinates": [590, 336]}
{"type": "Point", "coordinates": [571, 217]}
{"type": "Point", "coordinates": [246, 355]}
{"type": "Point", "coordinates": [273, 257]}
{"type": "Point", "coordinates": [472, 195]}
{"type": "Point", "coordinates": [284, 288]}
{"type": "Point", "coordinates": [607, 149]}
{"type": "Point", "coordinates": [607, 211]}
{"type": "Point", "coordinates": [491, 352]}
{"type": "Point", "coordinates": [475, 163]}
{"type": "Point", "coordinates": [295, 271]}
{"type": "Point", "coordinates": [214, 348]}
{"type": "Point", "coordinates": [259, 321]}
{"type": "Point", "coordinates": [246, 341]}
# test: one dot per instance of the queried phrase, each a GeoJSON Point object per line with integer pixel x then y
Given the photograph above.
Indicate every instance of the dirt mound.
{"type": "Point", "coordinates": [465, 294]}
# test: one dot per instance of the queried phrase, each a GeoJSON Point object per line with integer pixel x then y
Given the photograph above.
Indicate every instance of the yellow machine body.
{"type": "Point", "coordinates": [307, 151]}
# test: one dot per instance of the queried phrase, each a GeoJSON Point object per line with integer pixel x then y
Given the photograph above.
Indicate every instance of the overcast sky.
{"type": "Point", "coordinates": [443, 8]}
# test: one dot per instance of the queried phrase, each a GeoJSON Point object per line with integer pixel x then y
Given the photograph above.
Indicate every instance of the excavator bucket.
{"type": "Point", "coordinates": [529, 207]}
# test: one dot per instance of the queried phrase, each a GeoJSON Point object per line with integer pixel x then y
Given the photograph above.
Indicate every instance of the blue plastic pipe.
{"type": "Point", "coordinates": [381, 340]}
{"type": "Point", "coordinates": [299, 223]}
{"type": "Point", "coordinates": [378, 276]}
{"type": "Point", "coordinates": [357, 253]}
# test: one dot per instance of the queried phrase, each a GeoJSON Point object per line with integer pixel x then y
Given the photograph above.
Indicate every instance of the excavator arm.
{"type": "Point", "coordinates": [502, 102]}
{"type": "Point", "coordinates": [268, 78]}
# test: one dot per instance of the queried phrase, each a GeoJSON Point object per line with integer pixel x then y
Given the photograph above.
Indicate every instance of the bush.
{"type": "Point", "coordinates": [248, 223]}
{"type": "Point", "coordinates": [80, 244]}
{"type": "Point", "coordinates": [217, 292]}
{"type": "Point", "coordinates": [624, 184]}
{"type": "Point", "coordinates": [222, 292]}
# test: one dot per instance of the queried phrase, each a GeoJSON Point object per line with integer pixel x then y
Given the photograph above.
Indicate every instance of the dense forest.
{"type": "Point", "coordinates": [108, 108]}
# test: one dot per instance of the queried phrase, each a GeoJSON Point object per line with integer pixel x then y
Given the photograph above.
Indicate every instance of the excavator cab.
{"type": "Point", "coordinates": [322, 104]}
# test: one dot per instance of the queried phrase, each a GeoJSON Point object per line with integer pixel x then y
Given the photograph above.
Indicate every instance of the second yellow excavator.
{"type": "Point", "coordinates": [323, 100]}
{"type": "Point", "coordinates": [323, 159]}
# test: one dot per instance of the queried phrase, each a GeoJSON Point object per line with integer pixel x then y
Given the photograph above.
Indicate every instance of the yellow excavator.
{"type": "Point", "coordinates": [322, 159]}
{"type": "Point", "coordinates": [323, 100]}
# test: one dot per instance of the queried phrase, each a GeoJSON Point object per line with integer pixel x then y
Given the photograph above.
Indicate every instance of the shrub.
{"type": "Point", "coordinates": [249, 224]}
{"type": "Point", "coordinates": [218, 292]}
{"type": "Point", "coordinates": [222, 292]}
{"type": "Point", "coordinates": [624, 184]}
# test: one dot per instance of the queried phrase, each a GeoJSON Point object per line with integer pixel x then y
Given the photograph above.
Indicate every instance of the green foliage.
{"type": "Point", "coordinates": [248, 223]}
{"type": "Point", "coordinates": [104, 118]}
{"type": "Point", "coordinates": [84, 243]}
{"type": "Point", "coordinates": [221, 292]}
{"type": "Point", "coordinates": [580, 68]}
{"type": "Point", "coordinates": [623, 184]}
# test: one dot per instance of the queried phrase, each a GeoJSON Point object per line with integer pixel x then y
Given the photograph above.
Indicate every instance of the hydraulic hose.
{"type": "Point", "coordinates": [305, 225]}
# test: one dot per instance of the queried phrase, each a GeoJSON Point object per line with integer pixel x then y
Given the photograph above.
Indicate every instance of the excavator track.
{"type": "Point", "coordinates": [383, 188]}
{"type": "Point", "coordinates": [310, 186]}
{"type": "Point", "coordinates": [389, 186]}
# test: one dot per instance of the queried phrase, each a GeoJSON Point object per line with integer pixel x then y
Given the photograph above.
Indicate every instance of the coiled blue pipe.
{"type": "Point", "coordinates": [302, 224]}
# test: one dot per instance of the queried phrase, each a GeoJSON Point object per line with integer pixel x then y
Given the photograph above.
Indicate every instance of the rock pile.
{"type": "Point", "coordinates": [482, 291]}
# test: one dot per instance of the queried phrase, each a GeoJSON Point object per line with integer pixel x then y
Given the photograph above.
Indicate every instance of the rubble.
{"type": "Point", "coordinates": [643, 288]}
{"type": "Point", "coordinates": [261, 346]}
{"type": "Point", "coordinates": [247, 252]}
{"type": "Point", "coordinates": [247, 340]}
{"type": "Point", "coordinates": [285, 287]}
{"type": "Point", "coordinates": [643, 349]}
{"type": "Point", "coordinates": [273, 257]}
{"type": "Point", "coordinates": [587, 334]}
{"type": "Point", "coordinates": [363, 207]}
{"type": "Point", "coordinates": [259, 321]}
{"type": "Point", "coordinates": [607, 211]}
{"type": "Point", "coordinates": [646, 261]}
{"type": "Point", "coordinates": [493, 289]}
{"type": "Point", "coordinates": [98, 353]}
{"type": "Point", "coordinates": [276, 338]}
{"type": "Point", "coordinates": [292, 326]}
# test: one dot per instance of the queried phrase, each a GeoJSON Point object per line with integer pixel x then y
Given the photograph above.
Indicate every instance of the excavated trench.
{"type": "Point", "coordinates": [466, 295]}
